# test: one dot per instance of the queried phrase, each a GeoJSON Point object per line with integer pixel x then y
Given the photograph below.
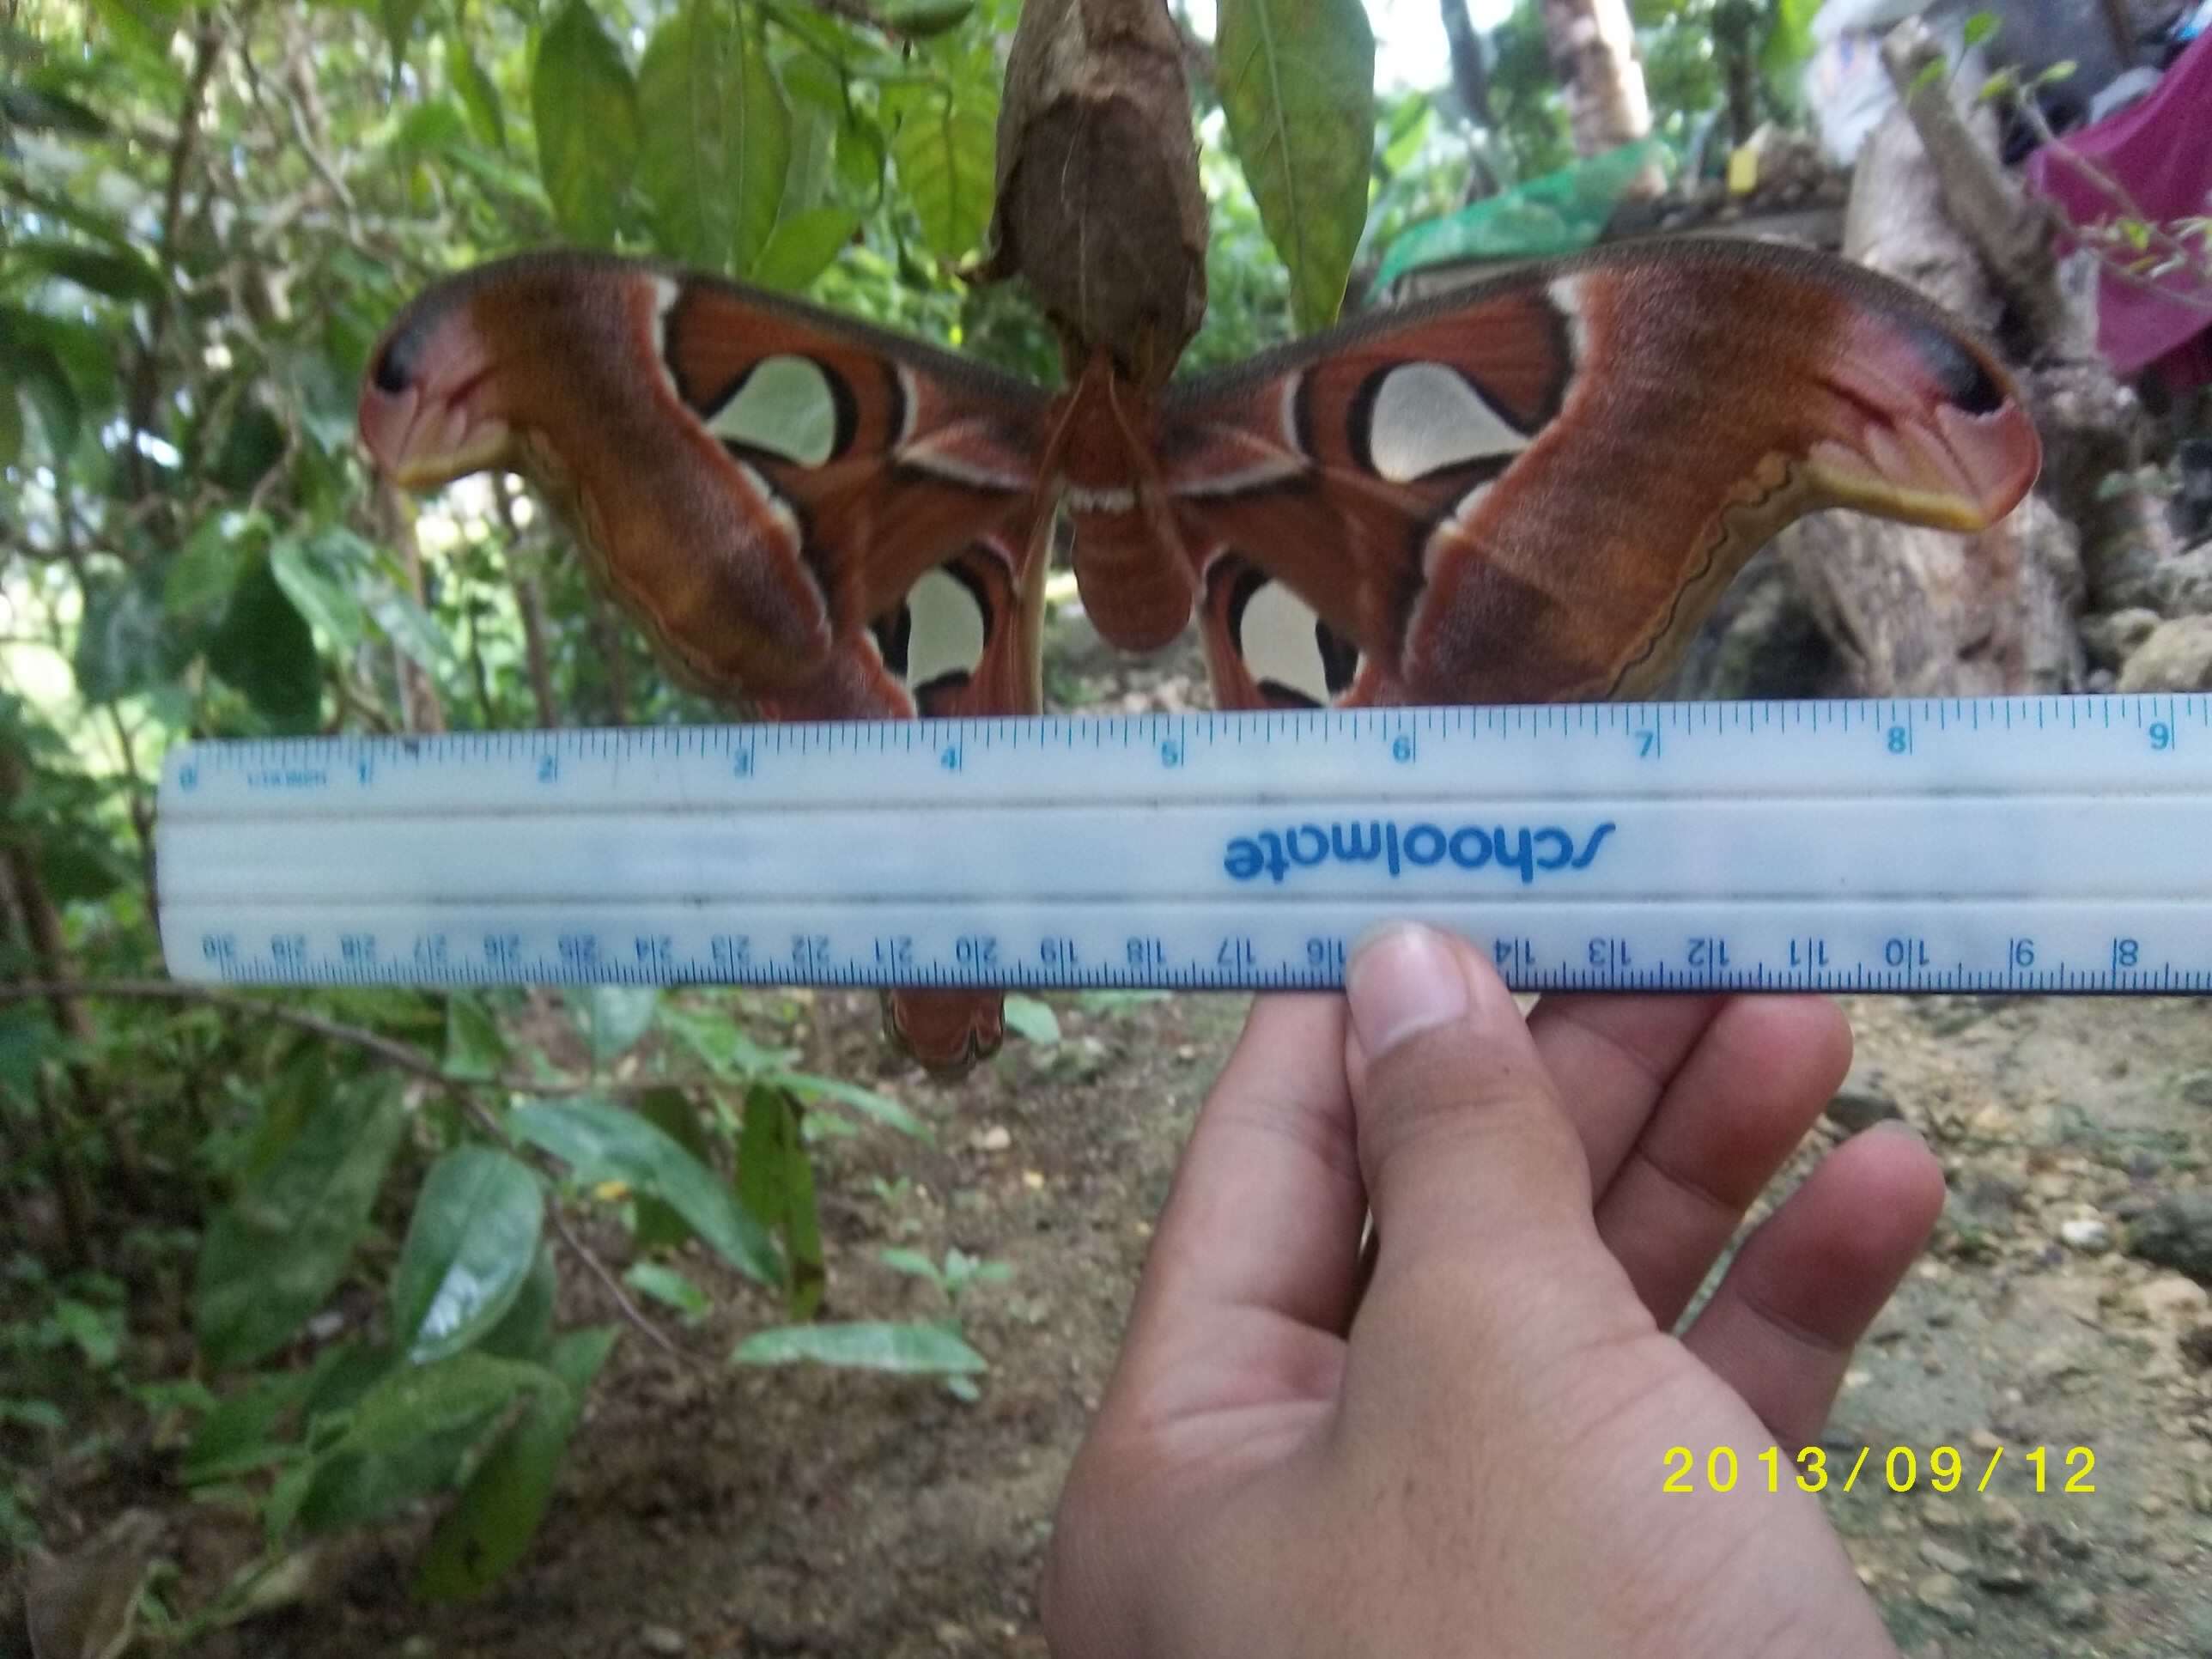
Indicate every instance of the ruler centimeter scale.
{"type": "Point", "coordinates": [2056, 844]}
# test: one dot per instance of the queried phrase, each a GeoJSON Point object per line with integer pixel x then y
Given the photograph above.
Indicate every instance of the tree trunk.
{"type": "Point", "coordinates": [1593, 51]}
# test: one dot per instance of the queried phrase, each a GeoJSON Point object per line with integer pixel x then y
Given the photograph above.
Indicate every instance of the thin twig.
{"type": "Point", "coordinates": [600, 1271]}
{"type": "Point", "coordinates": [632, 1313]}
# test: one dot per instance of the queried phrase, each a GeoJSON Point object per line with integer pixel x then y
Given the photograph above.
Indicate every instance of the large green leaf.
{"type": "Point", "coordinates": [478, 95]}
{"type": "Point", "coordinates": [197, 581]}
{"type": "Point", "coordinates": [398, 18]}
{"type": "Point", "coordinates": [264, 648]}
{"type": "Point", "coordinates": [240, 1435]}
{"type": "Point", "coordinates": [810, 1088]}
{"type": "Point", "coordinates": [803, 246]}
{"type": "Point", "coordinates": [775, 1183]}
{"type": "Point", "coordinates": [115, 272]}
{"type": "Point", "coordinates": [670, 1111]}
{"type": "Point", "coordinates": [718, 148]}
{"type": "Point", "coordinates": [945, 147]}
{"type": "Point", "coordinates": [407, 1438]}
{"type": "Point", "coordinates": [469, 1249]}
{"type": "Point", "coordinates": [613, 1017]}
{"type": "Point", "coordinates": [474, 1046]}
{"type": "Point", "coordinates": [272, 1256]}
{"type": "Point", "coordinates": [1297, 88]}
{"type": "Point", "coordinates": [318, 592]}
{"type": "Point", "coordinates": [922, 1349]}
{"type": "Point", "coordinates": [498, 1512]}
{"type": "Point", "coordinates": [583, 102]}
{"type": "Point", "coordinates": [527, 1327]}
{"type": "Point", "coordinates": [125, 643]}
{"type": "Point", "coordinates": [603, 1142]}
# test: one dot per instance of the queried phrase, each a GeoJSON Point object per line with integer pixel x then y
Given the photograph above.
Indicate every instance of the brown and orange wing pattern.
{"type": "Point", "coordinates": [811, 517]}
{"type": "Point", "coordinates": [1535, 491]}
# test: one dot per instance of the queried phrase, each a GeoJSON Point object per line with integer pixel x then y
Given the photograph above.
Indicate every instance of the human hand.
{"type": "Point", "coordinates": [1462, 1451]}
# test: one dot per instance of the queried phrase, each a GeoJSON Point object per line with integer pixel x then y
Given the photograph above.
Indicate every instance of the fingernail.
{"type": "Point", "coordinates": [1401, 980]}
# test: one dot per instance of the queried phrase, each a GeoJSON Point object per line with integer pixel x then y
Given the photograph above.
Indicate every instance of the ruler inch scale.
{"type": "Point", "coordinates": [1967, 844]}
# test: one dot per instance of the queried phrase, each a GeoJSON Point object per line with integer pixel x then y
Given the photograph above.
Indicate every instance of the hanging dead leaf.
{"type": "Point", "coordinates": [1098, 200]}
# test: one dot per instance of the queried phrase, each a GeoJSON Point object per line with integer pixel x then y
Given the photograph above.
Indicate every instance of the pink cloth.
{"type": "Point", "coordinates": [2160, 149]}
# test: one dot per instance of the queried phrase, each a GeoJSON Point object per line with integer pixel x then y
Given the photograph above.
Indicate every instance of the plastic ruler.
{"type": "Point", "coordinates": [1988, 845]}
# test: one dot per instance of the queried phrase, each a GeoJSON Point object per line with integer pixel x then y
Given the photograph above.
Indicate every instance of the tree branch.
{"type": "Point", "coordinates": [146, 383]}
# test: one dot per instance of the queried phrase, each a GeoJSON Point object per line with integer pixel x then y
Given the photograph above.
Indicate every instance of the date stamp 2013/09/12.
{"type": "Point", "coordinates": [2042, 1471]}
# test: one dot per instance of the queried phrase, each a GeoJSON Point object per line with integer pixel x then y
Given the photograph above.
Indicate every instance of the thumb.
{"type": "Point", "coordinates": [1468, 1156]}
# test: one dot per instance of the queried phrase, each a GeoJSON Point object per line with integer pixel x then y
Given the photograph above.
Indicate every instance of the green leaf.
{"type": "Point", "coordinates": [115, 272]}
{"type": "Point", "coordinates": [1297, 88]}
{"type": "Point", "coordinates": [398, 18]}
{"type": "Point", "coordinates": [274, 1255]}
{"type": "Point", "coordinates": [265, 649]}
{"type": "Point", "coordinates": [474, 88]}
{"type": "Point", "coordinates": [721, 1043]}
{"type": "Point", "coordinates": [902, 1260]}
{"type": "Point", "coordinates": [1980, 27]}
{"type": "Point", "coordinates": [775, 1183]}
{"type": "Point", "coordinates": [26, 1038]}
{"type": "Point", "coordinates": [811, 1088]}
{"type": "Point", "coordinates": [48, 109]}
{"type": "Point", "coordinates": [602, 1142]}
{"type": "Point", "coordinates": [240, 1435]}
{"type": "Point", "coordinates": [200, 578]}
{"type": "Point", "coordinates": [124, 643]}
{"type": "Point", "coordinates": [432, 130]}
{"type": "Point", "coordinates": [40, 1414]}
{"type": "Point", "coordinates": [670, 1111]}
{"type": "Point", "coordinates": [668, 1287]}
{"type": "Point", "coordinates": [409, 1435]}
{"type": "Point", "coordinates": [316, 594]}
{"type": "Point", "coordinates": [715, 154]}
{"type": "Point", "coordinates": [11, 427]}
{"type": "Point", "coordinates": [803, 247]}
{"type": "Point", "coordinates": [37, 371]}
{"type": "Point", "coordinates": [861, 155]}
{"type": "Point", "coordinates": [583, 103]}
{"type": "Point", "coordinates": [919, 19]}
{"type": "Point", "coordinates": [491, 1523]}
{"type": "Point", "coordinates": [474, 1048]}
{"type": "Point", "coordinates": [469, 1247]}
{"type": "Point", "coordinates": [527, 1327]}
{"type": "Point", "coordinates": [613, 1017]}
{"type": "Point", "coordinates": [816, 101]}
{"type": "Point", "coordinates": [1032, 1020]}
{"type": "Point", "coordinates": [945, 147]}
{"type": "Point", "coordinates": [914, 1349]}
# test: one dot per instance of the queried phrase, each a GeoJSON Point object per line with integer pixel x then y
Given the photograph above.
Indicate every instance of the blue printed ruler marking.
{"type": "Point", "coordinates": [1967, 844]}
